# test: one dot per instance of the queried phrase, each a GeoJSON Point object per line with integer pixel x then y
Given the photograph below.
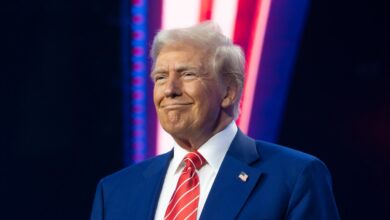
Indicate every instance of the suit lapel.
{"type": "Point", "coordinates": [230, 190]}
{"type": "Point", "coordinates": [151, 186]}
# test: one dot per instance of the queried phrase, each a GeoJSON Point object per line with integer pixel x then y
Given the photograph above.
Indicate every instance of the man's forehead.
{"type": "Point", "coordinates": [178, 59]}
{"type": "Point", "coordinates": [163, 67]}
{"type": "Point", "coordinates": [182, 48]}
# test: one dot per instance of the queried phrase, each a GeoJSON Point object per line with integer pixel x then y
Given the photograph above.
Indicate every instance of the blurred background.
{"type": "Point", "coordinates": [76, 102]}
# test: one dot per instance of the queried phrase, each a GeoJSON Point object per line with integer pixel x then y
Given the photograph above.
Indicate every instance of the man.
{"type": "Point", "coordinates": [214, 171]}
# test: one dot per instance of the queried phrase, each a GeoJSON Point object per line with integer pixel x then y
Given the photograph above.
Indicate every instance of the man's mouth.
{"type": "Point", "coordinates": [175, 106]}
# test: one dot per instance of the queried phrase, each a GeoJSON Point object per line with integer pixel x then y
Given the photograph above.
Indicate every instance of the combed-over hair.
{"type": "Point", "coordinates": [225, 58]}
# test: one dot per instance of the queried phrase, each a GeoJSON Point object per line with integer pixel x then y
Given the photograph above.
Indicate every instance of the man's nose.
{"type": "Point", "coordinates": [172, 87]}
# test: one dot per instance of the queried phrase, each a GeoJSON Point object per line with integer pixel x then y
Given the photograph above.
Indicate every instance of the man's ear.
{"type": "Point", "coordinates": [230, 97]}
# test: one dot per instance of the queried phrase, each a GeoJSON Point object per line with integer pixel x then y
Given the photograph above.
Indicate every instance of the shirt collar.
{"type": "Point", "coordinates": [214, 150]}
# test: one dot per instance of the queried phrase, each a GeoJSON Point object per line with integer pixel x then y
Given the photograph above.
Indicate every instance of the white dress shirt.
{"type": "Point", "coordinates": [214, 150]}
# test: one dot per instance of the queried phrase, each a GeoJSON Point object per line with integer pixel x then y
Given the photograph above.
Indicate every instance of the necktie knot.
{"type": "Point", "coordinates": [194, 160]}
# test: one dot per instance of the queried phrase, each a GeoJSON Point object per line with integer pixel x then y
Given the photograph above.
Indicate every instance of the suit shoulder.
{"type": "Point", "coordinates": [286, 165]}
{"type": "Point", "coordinates": [285, 156]}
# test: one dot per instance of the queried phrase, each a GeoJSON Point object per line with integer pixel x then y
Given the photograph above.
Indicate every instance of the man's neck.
{"type": "Point", "coordinates": [194, 142]}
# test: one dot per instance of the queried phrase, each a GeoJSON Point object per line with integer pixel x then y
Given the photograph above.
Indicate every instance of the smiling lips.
{"type": "Point", "coordinates": [174, 105]}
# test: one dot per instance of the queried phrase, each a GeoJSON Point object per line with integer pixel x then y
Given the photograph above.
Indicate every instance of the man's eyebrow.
{"type": "Point", "coordinates": [160, 69]}
{"type": "Point", "coordinates": [157, 71]}
{"type": "Point", "coordinates": [181, 68]}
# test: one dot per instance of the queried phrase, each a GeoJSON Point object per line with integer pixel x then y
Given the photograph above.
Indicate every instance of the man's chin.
{"type": "Point", "coordinates": [176, 130]}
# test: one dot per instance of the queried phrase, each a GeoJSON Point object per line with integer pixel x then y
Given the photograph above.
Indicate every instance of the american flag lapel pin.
{"type": "Point", "coordinates": [243, 176]}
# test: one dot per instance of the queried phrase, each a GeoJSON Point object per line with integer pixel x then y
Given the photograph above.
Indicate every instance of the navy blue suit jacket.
{"type": "Point", "coordinates": [282, 184]}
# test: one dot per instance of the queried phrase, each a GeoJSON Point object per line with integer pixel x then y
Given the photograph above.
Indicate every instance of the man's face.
{"type": "Point", "coordinates": [187, 94]}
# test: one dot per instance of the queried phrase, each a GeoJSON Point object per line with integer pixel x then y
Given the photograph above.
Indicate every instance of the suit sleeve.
{"type": "Point", "coordinates": [98, 204]}
{"type": "Point", "coordinates": [312, 195]}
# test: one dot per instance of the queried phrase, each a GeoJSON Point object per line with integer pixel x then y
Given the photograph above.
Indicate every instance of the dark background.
{"type": "Point", "coordinates": [61, 104]}
{"type": "Point", "coordinates": [339, 102]}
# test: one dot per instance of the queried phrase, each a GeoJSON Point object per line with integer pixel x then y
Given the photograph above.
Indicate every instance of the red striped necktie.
{"type": "Point", "coordinates": [185, 199]}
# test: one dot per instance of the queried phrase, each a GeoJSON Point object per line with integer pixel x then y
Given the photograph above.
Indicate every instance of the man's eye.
{"type": "Point", "coordinates": [159, 78]}
{"type": "Point", "coordinates": [189, 74]}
